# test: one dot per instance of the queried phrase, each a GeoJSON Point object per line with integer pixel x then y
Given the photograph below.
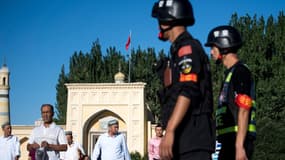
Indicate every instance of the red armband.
{"type": "Point", "coordinates": [243, 101]}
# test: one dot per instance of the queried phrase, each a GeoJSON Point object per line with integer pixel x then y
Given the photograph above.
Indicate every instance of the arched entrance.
{"type": "Point", "coordinates": [97, 125]}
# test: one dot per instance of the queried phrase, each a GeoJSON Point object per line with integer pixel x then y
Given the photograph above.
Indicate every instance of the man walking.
{"type": "Point", "coordinates": [48, 139]}
{"type": "Point", "coordinates": [111, 145]}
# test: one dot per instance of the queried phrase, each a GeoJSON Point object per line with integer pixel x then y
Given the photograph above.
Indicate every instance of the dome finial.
{"type": "Point", "coordinates": [119, 66]}
{"type": "Point", "coordinates": [119, 77]}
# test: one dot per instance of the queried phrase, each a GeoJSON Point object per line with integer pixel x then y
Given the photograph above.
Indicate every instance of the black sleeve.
{"type": "Point", "coordinates": [190, 88]}
{"type": "Point", "coordinates": [242, 80]}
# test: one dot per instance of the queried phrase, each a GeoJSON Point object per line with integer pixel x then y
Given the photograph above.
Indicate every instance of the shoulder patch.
{"type": "Point", "coordinates": [188, 77]}
{"type": "Point", "coordinates": [185, 50]}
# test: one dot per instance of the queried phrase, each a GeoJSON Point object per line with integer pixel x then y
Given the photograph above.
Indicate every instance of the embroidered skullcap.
{"type": "Point", "coordinates": [68, 133]}
{"type": "Point", "coordinates": [112, 122]}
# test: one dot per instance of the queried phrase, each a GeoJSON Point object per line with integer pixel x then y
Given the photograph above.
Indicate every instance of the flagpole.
{"type": "Point", "coordinates": [129, 76]}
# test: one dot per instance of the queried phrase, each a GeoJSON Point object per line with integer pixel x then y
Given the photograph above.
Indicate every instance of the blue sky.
{"type": "Point", "coordinates": [37, 37]}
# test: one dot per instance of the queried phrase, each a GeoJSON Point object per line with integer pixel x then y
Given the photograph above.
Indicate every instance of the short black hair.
{"type": "Point", "coordinates": [5, 124]}
{"type": "Point", "coordinates": [158, 125]}
{"type": "Point", "coordinates": [49, 105]}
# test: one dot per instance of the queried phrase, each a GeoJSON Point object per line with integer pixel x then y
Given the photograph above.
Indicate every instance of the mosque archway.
{"type": "Point", "coordinates": [97, 125]}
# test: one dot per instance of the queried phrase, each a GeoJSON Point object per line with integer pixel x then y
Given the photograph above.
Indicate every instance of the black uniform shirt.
{"type": "Point", "coordinates": [196, 131]}
{"type": "Point", "coordinates": [241, 79]}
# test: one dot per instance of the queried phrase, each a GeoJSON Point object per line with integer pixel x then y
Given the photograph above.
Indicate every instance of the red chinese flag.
{"type": "Point", "coordinates": [128, 42]}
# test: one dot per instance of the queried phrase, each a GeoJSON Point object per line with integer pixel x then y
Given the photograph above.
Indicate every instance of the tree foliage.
{"type": "Point", "coordinates": [61, 97]}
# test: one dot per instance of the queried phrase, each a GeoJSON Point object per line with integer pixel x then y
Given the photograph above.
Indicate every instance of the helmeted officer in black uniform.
{"type": "Point", "coordinates": [186, 98]}
{"type": "Point", "coordinates": [236, 106]}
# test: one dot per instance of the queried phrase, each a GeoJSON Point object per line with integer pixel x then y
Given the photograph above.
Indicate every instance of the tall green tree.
{"type": "Point", "coordinates": [113, 60]}
{"type": "Point", "coordinates": [80, 68]}
{"type": "Point", "coordinates": [143, 62]}
{"type": "Point", "coordinates": [61, 97]}
{"type": "Point", "coordinates": [97, 63]}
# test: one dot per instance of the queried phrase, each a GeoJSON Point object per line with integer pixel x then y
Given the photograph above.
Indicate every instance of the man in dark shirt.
{"type": "Point", "coordinates": [186, 97]}
{"type": "Point", "coordinates": [236, 105]}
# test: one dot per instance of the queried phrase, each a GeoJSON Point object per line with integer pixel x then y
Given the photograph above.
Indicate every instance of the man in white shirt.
{"type": "Point", "coordinates": [111, 145]}
{"type": "Point", "coordinates": [74, 150]}
{"type": "Point", "coordinates": [48, 139]}
{"type": "Point", "coordinates": [9, 144]}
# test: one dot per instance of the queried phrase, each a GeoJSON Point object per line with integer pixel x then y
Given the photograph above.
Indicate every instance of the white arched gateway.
{"type": "Point", "coordinates": [91, 105]}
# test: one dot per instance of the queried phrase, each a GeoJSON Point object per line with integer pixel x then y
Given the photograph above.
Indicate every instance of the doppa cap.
{"type": "Point", "coordinates": [112, 122]}
{"type": "Point", "coordinates": [68, 132]}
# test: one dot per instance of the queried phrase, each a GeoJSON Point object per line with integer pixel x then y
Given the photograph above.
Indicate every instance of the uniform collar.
{"type": "Point", "coordinates": [230, 69]}
{"type": "Point", "coordinates": [175, 45]}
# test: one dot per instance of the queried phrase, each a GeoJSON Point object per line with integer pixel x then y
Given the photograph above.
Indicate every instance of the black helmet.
{"type": "Point", "coordinates": [224, 37]}
{"type": "Point", "coordinates": [173, 12]}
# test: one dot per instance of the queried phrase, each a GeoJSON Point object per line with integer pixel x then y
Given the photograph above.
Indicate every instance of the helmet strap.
{"type": "Point", "coordinates": [224, 51]}
{"type": "Point", "coordinates": [219, 59]}
{"type": "Point", "coordinates": [162, 31]}
{"type": "Point", "coordinates": [220, 56]}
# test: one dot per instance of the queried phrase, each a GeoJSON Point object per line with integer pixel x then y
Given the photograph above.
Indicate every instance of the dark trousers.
{"type": "Point", "coordinates": [194, 155]}
{"type": "Point", "coordinates": [228, 150]}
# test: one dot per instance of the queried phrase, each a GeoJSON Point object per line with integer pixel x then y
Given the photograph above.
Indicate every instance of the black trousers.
{"type": "Point", "coordinates": [194, 155]}
{"type": "Point", "coordinates": [228, 150]}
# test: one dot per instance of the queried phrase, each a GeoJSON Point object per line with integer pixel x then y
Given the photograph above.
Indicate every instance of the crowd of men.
{"type": "Point", "coordinates": [50, 142]}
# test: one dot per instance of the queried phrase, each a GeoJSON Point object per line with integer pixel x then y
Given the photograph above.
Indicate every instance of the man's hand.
{"type": "Point", "coordinates": [45, 144]}
{"type": "Point", "coordinates": [240, 154]}
{"type": "Point", "coordinates": [35, 146]}
{"type": "Point", "coordinates": [165, 147]}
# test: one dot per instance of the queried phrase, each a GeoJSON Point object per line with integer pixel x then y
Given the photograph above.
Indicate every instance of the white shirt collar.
{"type": "Point", "coordinates": [52, 125]}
